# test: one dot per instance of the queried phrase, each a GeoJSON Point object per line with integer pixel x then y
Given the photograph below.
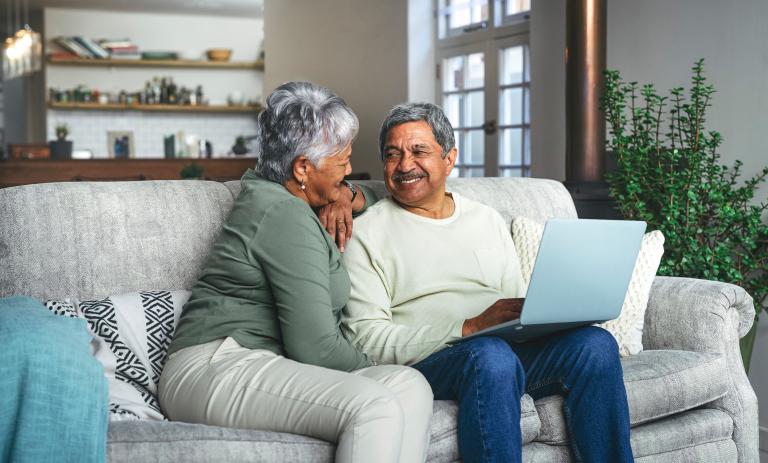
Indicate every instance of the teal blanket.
{"type": "Point", "coordinates": [54, 394]}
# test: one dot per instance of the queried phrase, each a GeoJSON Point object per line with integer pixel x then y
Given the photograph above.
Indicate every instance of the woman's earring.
{"type": "Point", "coordinates": [302, 186]}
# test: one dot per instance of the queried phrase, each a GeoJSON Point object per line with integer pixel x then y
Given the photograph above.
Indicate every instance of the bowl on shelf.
{"type": "Point", "coordinates": [219, 54]}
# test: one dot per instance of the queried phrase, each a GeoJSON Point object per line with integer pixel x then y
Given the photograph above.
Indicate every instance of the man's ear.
{"type": "Point", "coordinates": [450, 160]}
{"type": "Point", "coordinates": [301, 166]}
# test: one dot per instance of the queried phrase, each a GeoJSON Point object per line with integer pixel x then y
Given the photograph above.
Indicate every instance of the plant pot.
{"type": "Point", "coordinates": [61, 149]}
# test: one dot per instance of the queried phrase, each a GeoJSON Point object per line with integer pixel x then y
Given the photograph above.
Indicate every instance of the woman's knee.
{"type": "Point", "coordinates": [409, 387]}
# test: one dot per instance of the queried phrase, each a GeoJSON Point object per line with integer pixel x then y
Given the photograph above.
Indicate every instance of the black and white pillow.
{"type": "Point", "coordinates": [131, 333]}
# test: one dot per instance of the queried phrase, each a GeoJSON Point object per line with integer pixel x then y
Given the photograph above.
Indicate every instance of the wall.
{"type": "Point", "coordinates": [357, 48]}
{"type": "Point", "coordinates": [189, 34]}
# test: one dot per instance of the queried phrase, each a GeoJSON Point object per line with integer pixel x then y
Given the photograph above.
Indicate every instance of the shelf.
{"type": "Point", "coordinates": [15, 172]}
{"type": "Point", "coordinates": [145, 63]}
{"type": "Point", "coordinates": [156, 107]}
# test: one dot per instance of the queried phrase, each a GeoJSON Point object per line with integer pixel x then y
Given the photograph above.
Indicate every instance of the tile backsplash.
{"type": "Point", "coordinates": [88, 129]}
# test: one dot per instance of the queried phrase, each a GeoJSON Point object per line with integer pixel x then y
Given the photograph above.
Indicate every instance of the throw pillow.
{"type": "Point", "coordinates": [628, 327]}
{"type": "Point", "coordinates": [131, 334]}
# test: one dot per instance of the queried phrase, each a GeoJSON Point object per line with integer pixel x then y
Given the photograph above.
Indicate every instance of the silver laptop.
{"type": "Point", "coordinates": [580, 277]}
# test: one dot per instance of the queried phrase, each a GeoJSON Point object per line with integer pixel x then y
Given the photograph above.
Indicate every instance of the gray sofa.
{"type": "Point", "coordinates": [689, 396]}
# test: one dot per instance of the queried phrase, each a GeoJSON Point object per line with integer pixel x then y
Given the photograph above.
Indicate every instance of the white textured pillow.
{"type": "Point", "coordinates": [131, 334]}
{"type": "Point", "coordinates": [628, 327]}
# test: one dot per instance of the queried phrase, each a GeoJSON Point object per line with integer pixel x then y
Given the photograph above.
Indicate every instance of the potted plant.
{"type": "Point", "coordinates": [240, 146]}
{"type": "Point", "coordinates": [669, 174]}
{"type": "Point", "coordinates": [61, 148]}
{"type": "Point", "coordinates": [191, 171]}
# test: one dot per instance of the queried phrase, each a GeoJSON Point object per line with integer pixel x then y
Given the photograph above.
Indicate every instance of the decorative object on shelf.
{"type": "Point", "coordinates": [160, 55]}
{"type": "Point", "coordinates": [240, 147]}
{"type": "Point", "coordinates": [160, 91]}
{"type": "Point", "coordinates": [61, 148]}
{"type": "Point", "coordinates": [29, 151]}
{"type": "Point", "coordinates": [23, 50]}
{"type": "Point", "coordinates": [82, 154]}
{"type": "Point", "coordinates": [219, 54]}
{"type": "Point", "coordinates": [670, 175]}
{"type": "Point", "coordinates": [120, 144]}
{"type": "Point", "coordinates": [191, 171]}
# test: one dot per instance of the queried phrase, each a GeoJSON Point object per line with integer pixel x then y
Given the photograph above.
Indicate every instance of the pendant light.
{"type": "Point", "coordinates": [22, 50]}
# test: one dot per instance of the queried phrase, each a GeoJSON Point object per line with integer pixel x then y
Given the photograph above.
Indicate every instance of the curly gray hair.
{"type": "Point", "coordinates": [414, 112]}
{"type": "Point", "coordinates": [301, 118]}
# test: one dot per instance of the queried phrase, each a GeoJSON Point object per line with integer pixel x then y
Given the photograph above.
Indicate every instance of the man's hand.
{"type": "Point", "coordinates": [336, 217]}
{"type": "Point", "coordinates": [501, 311]}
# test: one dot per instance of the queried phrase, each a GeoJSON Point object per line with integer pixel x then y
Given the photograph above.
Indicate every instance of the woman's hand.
{"type": "Point", "coordinates": [336, 217]}
{"type": "Point", "coordinates": [501, 311]}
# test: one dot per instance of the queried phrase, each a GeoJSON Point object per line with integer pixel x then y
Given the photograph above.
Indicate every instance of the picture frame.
{"type": "Point", "coordinates": [120, 144]}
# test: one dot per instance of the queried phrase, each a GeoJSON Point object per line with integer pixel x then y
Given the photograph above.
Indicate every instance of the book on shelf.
{"type": "Point", "coordinates": [93, 47]}
{"type": "Point", "coordinates": [116, 43]}
{"type": "Point", "coordinates": [63, 55]}
{"type": "Point", "coordinates": [70, 45]}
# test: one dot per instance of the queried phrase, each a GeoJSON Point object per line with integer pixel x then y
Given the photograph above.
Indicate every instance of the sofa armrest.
{"type": "Point", "coordinates": [691, 314]}
{"type": "Point", "coordinates": [709, 316]}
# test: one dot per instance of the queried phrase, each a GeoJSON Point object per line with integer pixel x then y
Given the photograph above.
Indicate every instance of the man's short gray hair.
{"type": "Point", "coordinates": [414, 112]}
{"type": "Point", "coordinates": [301, 118]}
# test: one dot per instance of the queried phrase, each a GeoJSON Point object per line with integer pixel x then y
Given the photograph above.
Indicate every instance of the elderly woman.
{"type": "Point", "coordinates": [258, 344]}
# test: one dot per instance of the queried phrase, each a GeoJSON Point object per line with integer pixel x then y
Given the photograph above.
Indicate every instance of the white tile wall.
{"type": "Point", "coordinates": [88, 129]}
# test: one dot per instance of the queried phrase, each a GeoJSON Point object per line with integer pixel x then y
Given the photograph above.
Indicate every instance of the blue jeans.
{"type": "Point", "coordinates": [488, 377]}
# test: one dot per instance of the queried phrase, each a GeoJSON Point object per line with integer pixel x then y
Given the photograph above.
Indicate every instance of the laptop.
{"type": "Point", "coordinates": [580, 277]}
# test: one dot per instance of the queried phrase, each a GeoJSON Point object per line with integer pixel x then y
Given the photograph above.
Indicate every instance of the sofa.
{"type": "Point", "coordinates": [689, 397]}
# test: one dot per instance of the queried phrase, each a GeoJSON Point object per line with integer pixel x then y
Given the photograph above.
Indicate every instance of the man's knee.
{"type": "Point", "coordinates": [599, 348]}
{"type": "Point", "coordinates": [493, 359]}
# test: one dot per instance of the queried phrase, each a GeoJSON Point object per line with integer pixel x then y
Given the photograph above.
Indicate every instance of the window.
{"type": "Point", "coordinates": [464, 104]}
{"type": "Point", "coordinates": [460, 16]}
{"type": "Point", "coordinates": [484, 84]}
{"type": "Point", "coordinates": [514, 112]}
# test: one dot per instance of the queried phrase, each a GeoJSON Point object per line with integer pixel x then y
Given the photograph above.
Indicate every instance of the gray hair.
{"type": "Point", "coordinates": [301, 118]}
{"type": "Point", "coordinates": [414, 112]}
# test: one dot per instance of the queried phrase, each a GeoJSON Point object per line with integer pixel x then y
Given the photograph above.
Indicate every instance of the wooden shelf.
{"type": "Point", "coordinates": [15, 172]}
{"type": "Point", "coordinates": [156, 107]}
{"type": "Point", "coordinates": [146, 63]}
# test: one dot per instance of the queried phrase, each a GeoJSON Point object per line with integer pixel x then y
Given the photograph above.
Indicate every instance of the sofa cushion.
{"type": "Point", "coordinates": [628, 327]}
{"type": "Point", "coordinates": [445, 414]}
{"type": "Point", "coordinates": [682, 431]}
{"type": "Point", "coordinates": [157, 441]}
{"type": "Point", "coordinates": [149, 441]}
{"type": "Point", "coordinates": [659, 383]}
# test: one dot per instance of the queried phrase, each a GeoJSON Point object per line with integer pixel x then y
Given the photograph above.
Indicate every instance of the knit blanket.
{"type": "Point", "coordinates": [55, 396]}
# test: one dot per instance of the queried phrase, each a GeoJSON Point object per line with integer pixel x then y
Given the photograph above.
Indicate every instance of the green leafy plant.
{"type": "Point", "coordinates": [62, 130]}
{"type": "Point", "coordinates": [191, 171]}
{"type": "Point", "coordinates": [669, 174]}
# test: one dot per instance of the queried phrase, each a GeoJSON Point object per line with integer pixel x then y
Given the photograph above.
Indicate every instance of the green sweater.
{"type": "Point", "coordinates": [274, 280]}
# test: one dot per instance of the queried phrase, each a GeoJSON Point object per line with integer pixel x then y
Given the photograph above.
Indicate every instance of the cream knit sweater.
{"type": "Point", "coordinates": [415, 280]}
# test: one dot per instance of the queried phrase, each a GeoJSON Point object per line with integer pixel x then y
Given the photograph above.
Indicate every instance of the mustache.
{"type": "Point", "coordinates": [410, 175]}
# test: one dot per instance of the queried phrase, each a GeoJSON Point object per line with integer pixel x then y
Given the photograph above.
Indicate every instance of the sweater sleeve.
{"type": "Point", "coordinates": [367, 318]}
{"type": "Point", "coordinates": [370, 198]}
{"type": "Point", "coordinates": [294, 257]}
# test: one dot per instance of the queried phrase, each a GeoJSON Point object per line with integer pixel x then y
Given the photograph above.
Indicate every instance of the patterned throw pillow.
{"type": "Point", "coordinates": [131, 335]}
{"type": "Point", "coordinates": [628, 327]}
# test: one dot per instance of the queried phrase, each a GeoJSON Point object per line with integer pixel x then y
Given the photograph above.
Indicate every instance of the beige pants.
{"type": "Point", "coordinates": [377, 414]}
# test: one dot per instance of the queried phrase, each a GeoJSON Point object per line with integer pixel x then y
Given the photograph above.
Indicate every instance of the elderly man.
{"type": "Point", "coordinates": [428, 266]}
